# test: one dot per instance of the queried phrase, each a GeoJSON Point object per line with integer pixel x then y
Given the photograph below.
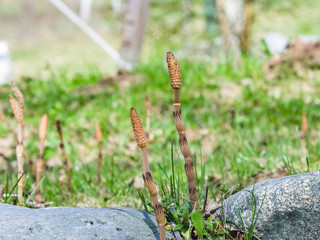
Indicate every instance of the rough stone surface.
{"type": "Point", "coordinates": [76, 223]}
{"type": "Point", "coordinates": [290, 208]}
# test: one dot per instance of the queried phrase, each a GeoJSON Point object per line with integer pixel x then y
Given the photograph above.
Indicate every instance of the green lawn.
{"type": "Point", "coordinates": [236, 124]}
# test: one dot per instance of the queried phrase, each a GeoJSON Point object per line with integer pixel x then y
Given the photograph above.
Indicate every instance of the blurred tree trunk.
{"type": "Point", "coordinates": [249, 14]}
{"type": "Point", "coordinates": [235, 17]}
{"type": "Point", "coordinates": [224, 25]}
{"type": "Point", "coordinates": [134, 26]}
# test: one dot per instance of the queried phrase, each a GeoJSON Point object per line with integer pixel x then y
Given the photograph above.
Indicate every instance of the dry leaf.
{"type": "Point", "coordinates": [138, 182]}
{"type": "Point", "coordinates": [230, 92]}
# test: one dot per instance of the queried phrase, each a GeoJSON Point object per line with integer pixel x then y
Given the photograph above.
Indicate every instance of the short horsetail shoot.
{"type": "Point", "coordinates": [142, 142]}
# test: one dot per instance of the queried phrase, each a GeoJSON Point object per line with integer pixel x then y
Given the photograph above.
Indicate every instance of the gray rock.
{"type": "Point", "coordinates": [290, 208]}
{"type": "Point", "coordinates": [76, 223]}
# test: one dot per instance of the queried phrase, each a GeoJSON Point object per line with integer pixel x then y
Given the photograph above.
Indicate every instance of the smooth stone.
{"type": "Point", "coordinates": [290, 208]}
{"type": "Point", "coordinates": [276, 42]}
{"type": "Point", "coordinates": [76, 223]}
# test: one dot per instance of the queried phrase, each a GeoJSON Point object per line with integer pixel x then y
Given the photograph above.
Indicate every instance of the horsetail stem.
{"type": "Point", "coordinates": [147, 177]}
{"type": "Point", "coordinates": [42, 137]}
{"type": "Point", "coordinates": [18, 115]}
{"type": "Point", "coordinates": [43, 128]}
{"type": "Point", "coordinates": [98, 135]}
{"type": "Point", "coordinates": [13, 131]}
{"type": "Point", "coordinates": [64, 155]}
{"type": "Point", "coordinates": [304, 123]}
{"type": "Point", "coordinates": [176, 80]}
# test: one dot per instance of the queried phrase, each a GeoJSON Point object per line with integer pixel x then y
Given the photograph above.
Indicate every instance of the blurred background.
{"type": "Point", "coordinates": [39, 35]}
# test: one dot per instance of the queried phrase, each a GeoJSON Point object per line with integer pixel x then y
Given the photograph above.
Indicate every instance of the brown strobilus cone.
{"type": "Point", "coordinates": [13, 131]}
{"type": "Point", "coordinates": [42, 137]}
{"type": "Point", "coordinates": [147, 177]}
{"type": "Point", "coordinates": [176, 82]}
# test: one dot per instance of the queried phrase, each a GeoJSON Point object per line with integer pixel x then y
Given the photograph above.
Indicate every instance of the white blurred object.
{"type": "Point", "coordinates": [309, 38]}
{"type": "Point", "coordinates": [276, 42]}
{"type": "Point", "coordinates": [5, 63]}
{"type": "Point", "coordinates": [234, 10]}
{"type": "Point", "coordinates": [117, 6]}
{"type": "Point", "coordinates": [85, 9]}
